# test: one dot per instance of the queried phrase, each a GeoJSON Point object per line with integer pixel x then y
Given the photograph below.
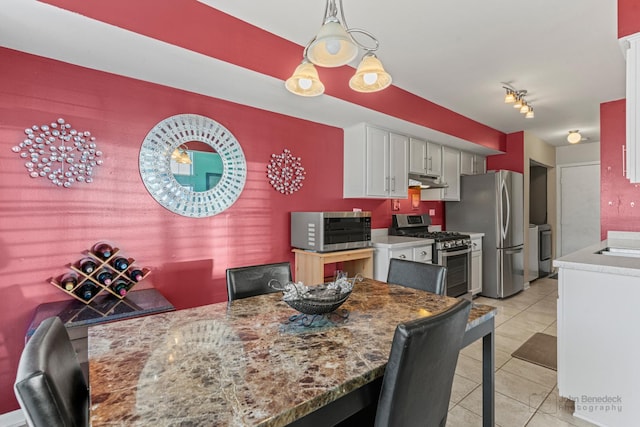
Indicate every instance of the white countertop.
{"type": "Point", "coordinates": [589, 259]}
{"type": "Point", "coordinates": [399, 241]}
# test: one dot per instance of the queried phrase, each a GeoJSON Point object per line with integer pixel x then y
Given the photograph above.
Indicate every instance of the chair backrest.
{"type": "Point", "coordinates": [416, 387]}
{"type": "Point", "coordinates": [243, 282]}
{"type": "Point", "coordinates": [50, 386]}
{"type": "Point", "coordinates": [418, 275]}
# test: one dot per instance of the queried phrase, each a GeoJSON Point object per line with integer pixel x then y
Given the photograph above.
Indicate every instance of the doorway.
{"type": "Point", "coordinates": [579, 206]}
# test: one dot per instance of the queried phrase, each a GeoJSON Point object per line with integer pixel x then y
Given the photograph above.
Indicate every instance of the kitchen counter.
{"type": "Point", "coordinates": [399, 241]}
{"type": "Point", "coordinates": [245, 363]}
{"type": "Point", "coordinates": [588, 259]}
{"type": "Point", "coordinates": [472, 234]}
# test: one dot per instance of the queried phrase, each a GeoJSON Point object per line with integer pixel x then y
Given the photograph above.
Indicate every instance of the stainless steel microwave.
{"type": "Point", "coordinates": [330, 231]}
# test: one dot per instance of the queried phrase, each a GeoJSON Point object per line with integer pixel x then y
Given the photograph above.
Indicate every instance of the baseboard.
{"type": "Point", "coordinates": [13, 419]}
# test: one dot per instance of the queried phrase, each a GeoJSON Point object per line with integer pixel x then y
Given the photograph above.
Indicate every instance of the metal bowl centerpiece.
{"type": "Point", "coordinates": [319, 299]}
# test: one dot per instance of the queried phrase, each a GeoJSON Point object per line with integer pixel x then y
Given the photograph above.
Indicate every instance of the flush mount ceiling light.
{"type": "Point", "coordinates": [574, 137]}
{"type": "Point", "coordinates": [517, 98]}
{"type": "Point", "coordinates": [335, 46]}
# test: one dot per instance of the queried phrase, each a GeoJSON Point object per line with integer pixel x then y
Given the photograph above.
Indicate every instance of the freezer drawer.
{"type": "Point", "coordinates": [511, 271]}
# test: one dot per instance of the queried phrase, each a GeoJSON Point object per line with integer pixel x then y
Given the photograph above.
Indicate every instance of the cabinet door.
{"type": "Point", "coordinates": [467, 163]}
{"type": "Point", "coordinates": [476, 272]}
{"type": "Point", "coordinates": [451, 174]}
{"type": "Point", "coordinates": [398, 166]}
{"type": "Point", "coordinates": [632, 155]}
{"type": "Point", "coordinates": [434, 159]}
{"type": "Point", "coordinates": [480, 164]}
{"type": "Point", "coordinates": [377, 164]}
{"type": "Point", "coordinates": [417, 156]}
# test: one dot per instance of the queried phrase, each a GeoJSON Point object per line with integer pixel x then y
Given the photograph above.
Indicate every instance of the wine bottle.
{"type": "Point", "coordinates": [102, 250]}
{"type": "Point", "coordinates": [120, 287]}
{"type": "Point", "coordinates": [135, 274]}
{"type": "Point", "coordinates": [120, 263]}
{"type": "Point", "coordinates": [87, 291]}
{"type": "Point", "coordinates": [104, 277]}
{"type": "Point", "coordinates": [69, 281]}
{"type": "Point", "coordinates": [88, 266]}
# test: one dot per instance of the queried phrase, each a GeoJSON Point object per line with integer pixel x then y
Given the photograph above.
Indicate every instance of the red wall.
{"type": "Point", "coordinates": [617, 195]}
{"type": "Point", "coordinates": [44, 228]}
{"type": "Point", "coordinates": [628, 17]}
{"type": "Point", "coordinates": [199, 26]}
{"type": "Point", "coordinates": [513, 158]}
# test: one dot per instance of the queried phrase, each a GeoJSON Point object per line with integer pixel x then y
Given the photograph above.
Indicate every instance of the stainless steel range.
{"type": "Point", "coordinates": [451, 249]}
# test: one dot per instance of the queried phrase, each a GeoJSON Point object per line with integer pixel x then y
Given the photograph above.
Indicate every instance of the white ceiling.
{"type": "Point", "coordinates": [455, 53]}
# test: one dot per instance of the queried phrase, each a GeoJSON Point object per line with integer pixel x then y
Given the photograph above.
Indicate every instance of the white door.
{"type": "Point", "coordinates": [579, 207]}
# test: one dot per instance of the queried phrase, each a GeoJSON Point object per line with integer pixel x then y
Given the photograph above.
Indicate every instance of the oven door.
{"type": "Point", "coordinates": [458, 263]}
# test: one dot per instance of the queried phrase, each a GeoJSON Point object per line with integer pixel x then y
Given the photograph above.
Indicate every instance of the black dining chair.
{"type": "Point", "coordinates": [416, 387]}
{"type": "Point", "coordinates": [243, 282]}
{"type": "Point", "coordinates": [50, 386]}
{"type": "Point", "coordinates": [418, 275]}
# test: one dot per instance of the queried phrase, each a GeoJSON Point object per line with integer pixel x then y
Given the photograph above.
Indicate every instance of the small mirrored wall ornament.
{"type": "Point", "coordinates": [285, 172]}
{"type": "Point", "coordinates": [59, 153]}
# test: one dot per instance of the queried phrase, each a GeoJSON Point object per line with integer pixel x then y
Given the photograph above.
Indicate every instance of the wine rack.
{"type": "Point", "coordinates": [91, 279]}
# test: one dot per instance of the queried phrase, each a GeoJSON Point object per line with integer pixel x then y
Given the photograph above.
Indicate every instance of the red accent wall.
{"type": "Point", "coordinates": [617, 194]}
{"type": "Point", "coordinates": [44, 228]}
{"type": "Point", "coordinates": [628, 17]}
{"type": "Point", "coordinates": [200, 26]}
{"type": "Point", "coordinates": [513, 158]}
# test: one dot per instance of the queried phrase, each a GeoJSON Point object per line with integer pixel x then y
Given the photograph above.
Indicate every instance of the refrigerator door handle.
{"type": "Point", "coordinates": [503, 232]}
{"type": "Point", "coordinates": [508, 224]}
{"type": "Point", "coordinates": [513, 251]}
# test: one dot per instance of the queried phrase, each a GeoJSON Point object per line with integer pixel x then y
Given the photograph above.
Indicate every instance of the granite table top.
{"type": "Point", "coordinates": [245, 363]}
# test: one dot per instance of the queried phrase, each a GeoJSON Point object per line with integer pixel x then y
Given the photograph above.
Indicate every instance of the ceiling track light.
{"type": "Point", "coordinates": [517, 98]}
{"type": "Point", "coordinates": [574, 136]}
{"type": "Point", "coordinates": [335, 46]}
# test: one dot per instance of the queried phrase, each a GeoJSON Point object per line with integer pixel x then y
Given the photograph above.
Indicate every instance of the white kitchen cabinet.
{"type": "Point", "coordinates": [425, 158]}
{"type": "Point", "coordinates": [376, 163]}
{"type": "Point", "coordinates": [450, 175]}
{"type": "Point", "coordinates": [409, 248]}
{"type": "Point", "coordinates": [632, 146]}
{"type": "Point", "coordinates": [472, 164]}
{"type": "Point", "coordinates": [475, 287]}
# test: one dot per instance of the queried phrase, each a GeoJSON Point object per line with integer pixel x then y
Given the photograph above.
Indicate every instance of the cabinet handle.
{"type": "Point", "coordinates": [423, 253]}
{"type": "Point", "coordinates": [402, 256]}
{"type": "Point", "coordinates": [430, 164]}
{"type": "Point", "coordinates": [624, 161]}
{"type": "Point", "coordinates": [386, 186]}
{"type": "Point", "coordinates": [393, 181]}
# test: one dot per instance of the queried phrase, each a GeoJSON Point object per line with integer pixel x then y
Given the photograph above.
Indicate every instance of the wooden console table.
{"type": "Point", "coordinates": [310, 265]}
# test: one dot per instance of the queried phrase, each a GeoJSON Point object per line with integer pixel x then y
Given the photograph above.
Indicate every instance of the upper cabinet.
{"type": "Point", "coordinates": [633, 110]}
{"type": "Point", "coordinates": [450, 175]}
{"type": "Point", "coordinates": [425, 158]}
{"type": "Point", "coordinates": [376, 163]}
{"type": "Point", "coordinates": [472, 164]}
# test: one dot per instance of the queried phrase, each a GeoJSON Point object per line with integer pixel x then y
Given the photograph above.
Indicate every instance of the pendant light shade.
{"type": "Point", "coordinates": [530, 114]}
{"type": "Point", "coordinates": [305, 81]}
{"type": "Point", "coordinates": [333, 46]}
{"type": "Point", "coordinates": [370, 76]}
{"type": "Point", "coordinates": [509, 97]}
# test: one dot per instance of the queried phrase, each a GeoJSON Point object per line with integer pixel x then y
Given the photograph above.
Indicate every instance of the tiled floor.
{"type": "Point", "coordinates": [526, 394]}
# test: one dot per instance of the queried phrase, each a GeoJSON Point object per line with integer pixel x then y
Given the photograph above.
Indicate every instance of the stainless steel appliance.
{"type": "Point", "coordinates": [544, 244]}
{"type": "Point", "coordinates": [450, 249]}
{"type": "Point", "coordinates": [493, 203]}
{"type": "Point", "coordinates": [330, 231]}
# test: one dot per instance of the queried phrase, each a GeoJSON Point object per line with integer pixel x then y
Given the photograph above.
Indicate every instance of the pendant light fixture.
{"type": "Point", "coordinates": [334, 46]}
{"type": "Point", "coordinates": [517, 98]}
{"type": "Point", "coordinates": [574, 137]}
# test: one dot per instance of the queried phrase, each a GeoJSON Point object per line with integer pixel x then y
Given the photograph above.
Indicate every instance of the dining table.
{"type": "Point", "coordinates": [257, 362]}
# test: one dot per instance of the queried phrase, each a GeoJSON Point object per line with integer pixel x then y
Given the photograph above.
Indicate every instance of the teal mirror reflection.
{"type": "Point", "coordinates": [204, 169]}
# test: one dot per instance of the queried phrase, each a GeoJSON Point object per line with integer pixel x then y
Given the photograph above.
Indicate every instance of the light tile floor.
{"type": "Point", "coordinates": [526, 394]}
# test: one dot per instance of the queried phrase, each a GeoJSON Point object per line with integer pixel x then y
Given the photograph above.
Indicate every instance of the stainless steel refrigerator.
{"type": "Point", "coordinates": [493, 204]}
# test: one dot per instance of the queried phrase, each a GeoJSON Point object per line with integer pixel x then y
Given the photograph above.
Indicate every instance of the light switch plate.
{"type": "Point", "coordinates": [432, 211]}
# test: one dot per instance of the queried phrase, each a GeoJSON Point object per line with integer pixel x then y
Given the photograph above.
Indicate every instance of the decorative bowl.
{"type": "Point", "coordinates": [320, 299]}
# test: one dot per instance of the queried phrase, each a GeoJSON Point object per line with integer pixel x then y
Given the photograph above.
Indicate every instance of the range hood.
{"type": "Point", "coordinates": [425, 181]}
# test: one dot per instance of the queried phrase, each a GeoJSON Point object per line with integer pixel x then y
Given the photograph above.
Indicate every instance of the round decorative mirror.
{"type": "Point", "coordinates": [192, 165]}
